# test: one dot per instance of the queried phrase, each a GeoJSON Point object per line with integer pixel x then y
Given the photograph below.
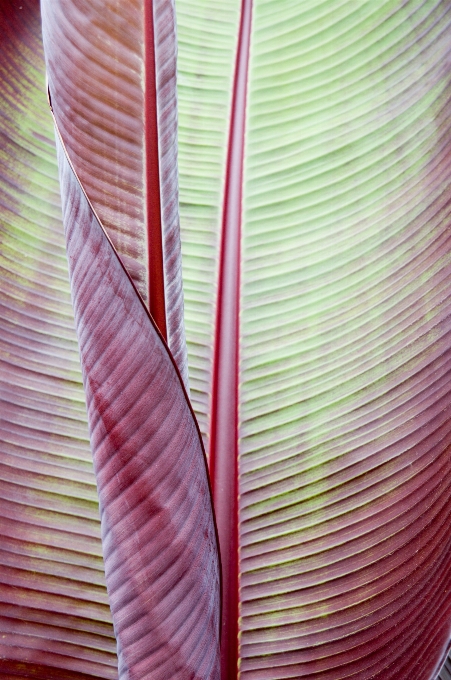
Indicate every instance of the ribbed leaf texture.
{"type": "Point", "coordinates": [111, 70]}
{"type": "Point", "coordinates": [158, 531]}
{"type": "Point", "coordinates": [341, 428]}
{"type": "Point", "coordinates": [160, 549]}
{"type": "Point", "coordinates": [206, 33]}
{"type": "Point", "coordinates": [54, 616]}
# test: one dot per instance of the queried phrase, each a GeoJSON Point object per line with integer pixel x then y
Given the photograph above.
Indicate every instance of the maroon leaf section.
{"type": "Point", "coordinates": [160, 547]}
{"type": "Point", "coordinates": [112, 77]}
{"type": "Point", "coordinates": [55, 620]}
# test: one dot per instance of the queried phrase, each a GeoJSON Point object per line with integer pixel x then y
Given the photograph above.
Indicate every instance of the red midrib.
{"type": "Point", "coordinates": [152, 178]}
{"type": "Point", "coordinates": [224, 415]}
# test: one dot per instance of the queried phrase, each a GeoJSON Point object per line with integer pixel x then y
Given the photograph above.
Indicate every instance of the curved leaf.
{"type": "Point", "coordinates": [54, 616]}
{"type": "Point", "coordinates": [160, 549]}
{"type": "Point", "coordinates": [158, 530]}
{"type": "Point", "coordinates": [111, 70]}
{"type": "Point", "coordinates": [341, 361]}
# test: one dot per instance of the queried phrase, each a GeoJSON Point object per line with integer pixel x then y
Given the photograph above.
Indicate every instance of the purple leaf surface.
{"type": "Point", "coordinates": [112, 71]}
{"type": "Point", "coordinates": [160, 546]}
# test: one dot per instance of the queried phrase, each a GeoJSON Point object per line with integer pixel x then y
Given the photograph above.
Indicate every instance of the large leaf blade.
{"type": "Point", "coordinates": [158, 531]}
{"type": "Point", "coordinates": [55, 618]}
{"type": "Point", "coordinates": [342, 370]}
{"type": "Point", "coordinates": [356, 423]}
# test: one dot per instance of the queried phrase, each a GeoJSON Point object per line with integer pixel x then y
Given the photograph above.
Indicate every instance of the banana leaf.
{"type": "Point", "coordinates": [314, 205]}
{"type": "Point", "coordinates": [158, 532]}
{"type": "Point", "coordinates": [314, 181]}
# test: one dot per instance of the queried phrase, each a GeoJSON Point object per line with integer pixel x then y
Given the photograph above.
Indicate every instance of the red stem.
{"type": "Point", "coordinates": [224, 417]}
{"type": "Point", "coordinates": [152, 181]}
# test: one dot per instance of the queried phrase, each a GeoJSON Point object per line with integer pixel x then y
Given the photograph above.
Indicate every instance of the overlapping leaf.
{"type": "Point", "coordinates": [111, 71]}
{"type": "Point", "coordinates": [157, 520]}
{"type": "Point", "coordinates": [54, 615]}
{"type": "Point", "coordinates": [343, 433]}
{"type": "Point", "coordinates": [159, 537]}
{"type": "Point", "coordinates": [160, 550]}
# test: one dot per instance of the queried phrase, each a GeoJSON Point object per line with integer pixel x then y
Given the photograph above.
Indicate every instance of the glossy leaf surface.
{"type": "Point", "coordinates": [54, 616]}
{"type": "Point", "coordinates": [341, 427]}
{"type": "Point", "coordinates": [111, 70]}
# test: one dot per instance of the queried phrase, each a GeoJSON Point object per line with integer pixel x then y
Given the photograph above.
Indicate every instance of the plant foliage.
{"type": "Point", "coordinates": [313, 146]}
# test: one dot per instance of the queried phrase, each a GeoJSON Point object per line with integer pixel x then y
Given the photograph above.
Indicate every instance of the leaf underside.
{"type": "Point", "coordinates": [344, 346]}
{"type": "Point", "coordinates": [158, 533]}
{"type": "Point", "coordinates": [55, 620]}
